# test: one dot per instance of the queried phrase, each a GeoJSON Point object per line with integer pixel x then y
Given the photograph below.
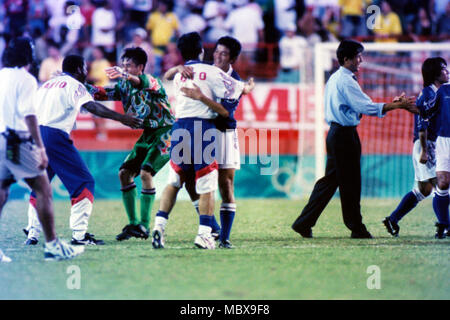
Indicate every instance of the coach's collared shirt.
{"type": "Point", "coordinates": [345, 102]}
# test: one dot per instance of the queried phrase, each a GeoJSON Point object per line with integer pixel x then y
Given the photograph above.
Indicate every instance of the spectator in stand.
{"type": "Point", "coordinates": [387, 25]}
{"type": "Point", "coordinates": [194, 22]}
{"type": "Point", "coordinates": [98, 77]}
{"type": "Point", "coordinates": [352, 18]}
{"type": "Point", "coordinates": [87, 10]}
{"type": "Point", "coordinates": [138, 11]}
{"type": "Point", "coordinates": [61, 18]}
{"type": "Point", "coordinates": [52, 63]}
{"type": "Point", "coordinates": [140, 40]}
{"type": "Point", "coordinates": [37, 14]}
{"type": "Point", "coordinates": [424, 23]}
{"type": "Point", "coordinates": [104, 29]}
{"type": "Point", "coordinates": [215, 13]}
{"type": "Point", "coordinates": [292, 55]}
{"type": "Point", "coordinates": [16, 12]}
{"type": "Point", "coordinates": [172, 57]}
{"type": "Point", "coordinates": [285, 14]}
{"type": "Point", "coordinates": [330, 21]}
{"type": "Point", "coordinates": [163, 25]}
{"type": "Point", "coordinates": [246, 25]}
{"type": "Point", "coordinates": [443, 23]}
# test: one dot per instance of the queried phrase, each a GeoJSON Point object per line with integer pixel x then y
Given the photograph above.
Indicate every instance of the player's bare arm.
{"type": "Point", "coordinates": [423, 145]}
{"type": "Point", "coordinates": [407, 103]}
{"type": "Point", "coordinates": [186, 71]}
{"type": "Point", "coordinates": [102, 111]}
{"type": "Point", "coordinates": [196, 94]}
{"type": "Point", "coordinates": [33, 128]}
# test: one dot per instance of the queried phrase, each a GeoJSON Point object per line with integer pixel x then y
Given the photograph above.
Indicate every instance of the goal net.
{"type": "Point", "coordinates": [388, 69]}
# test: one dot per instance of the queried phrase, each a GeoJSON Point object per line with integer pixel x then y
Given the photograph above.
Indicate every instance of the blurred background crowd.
{"type": "Point", "coordinates": [274, 33]}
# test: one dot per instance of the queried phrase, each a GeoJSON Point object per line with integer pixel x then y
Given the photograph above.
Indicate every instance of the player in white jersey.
{"type": "Point", "coordinates": [192, 153]}
{"type": "Point", "coordinates": [226, 52]}
{"type": "Point", "coordinates": [22, 152]}
{"type": "Point", "coordinates": [59, 100]}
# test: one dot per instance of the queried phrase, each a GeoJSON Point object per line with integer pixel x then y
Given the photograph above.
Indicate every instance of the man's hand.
{"type": "Point", "coordinates": [249, 86]}
{"type": "Point", "coordinates": [193, 93]}
{"type": "Point", "coordinates": [409, 104]}
{"type": "Point", "coordinates": [397, 99]}
{"type": "Point", "coordinates": [423, 157]}
{"type": "Point", "coordinates": [185, 71]}
{"type": "Point", "coordinates": [131, 121]}
{"type": "Point", "coordinates": [116, 72]}
{"type": "Point", "coordinates": [44, 159]}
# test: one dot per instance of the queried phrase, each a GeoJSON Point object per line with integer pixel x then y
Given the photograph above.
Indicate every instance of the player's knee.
{"type": "Point", "coordinates": [146, 176]}
{"type": "Point", "coordinates": [425, 189]}
{"type": "Point", "coordinates": [226, 188]}
{"type": "Point", "coordinates": [125, 177]}
{"type": "Point", "coordinates": [443, 181]}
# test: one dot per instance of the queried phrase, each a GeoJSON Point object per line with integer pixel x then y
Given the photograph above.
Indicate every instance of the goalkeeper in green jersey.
{"type": "Point", "coordinates": [142, 96]}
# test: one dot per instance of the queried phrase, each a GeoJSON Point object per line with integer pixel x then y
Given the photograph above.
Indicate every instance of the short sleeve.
{"type": "Point", "coordinates": [80, 96]}
{"type": "Point", "coordinates": [225, 87]}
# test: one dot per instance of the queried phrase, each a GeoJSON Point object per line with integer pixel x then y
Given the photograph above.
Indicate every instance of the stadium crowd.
{"type": "Point", "coordinates": [100, 29]}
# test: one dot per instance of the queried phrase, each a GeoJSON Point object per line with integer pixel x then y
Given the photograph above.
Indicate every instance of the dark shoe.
{"type": "Point", "coordinates": [87, 240]}
{"type": "Point", "coordinates": [140, 231]}
{"type": "Point", "coordinates": [126, 233]}
{"type": "Point", "coordinates": [361, 235]}
{"type": "Point", "coordinates": [215, 234]}
{"type": "Point", "coordinates": [440, 231]}
{"type": "Point", "coordinates": [31, 242]}
{"type": "Point", "coordinates": [304, 232]}
{"type": "Point", "coordinates": [391, 227]}
{"type": "Point", "coordinates": [225, 244]}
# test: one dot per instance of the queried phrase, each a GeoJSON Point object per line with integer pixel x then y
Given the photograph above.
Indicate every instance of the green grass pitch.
{"type": "Point", "coordinates": [269, 261]}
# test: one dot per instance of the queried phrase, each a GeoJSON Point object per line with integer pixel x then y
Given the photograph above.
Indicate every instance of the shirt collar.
{"type": "Point", "coordinates": [432, 86]}
{"type": "Point", "coordinates": [192, 62]}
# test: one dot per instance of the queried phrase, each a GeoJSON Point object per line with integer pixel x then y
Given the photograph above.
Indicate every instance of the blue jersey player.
{"type": "Point", "coordinates": [441, 195]}
{"type": "Point", "coordinates": [434, 74]}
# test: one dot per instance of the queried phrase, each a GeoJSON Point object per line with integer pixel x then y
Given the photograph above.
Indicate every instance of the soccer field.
{"type": "Point", "coordinates": [269, 261]}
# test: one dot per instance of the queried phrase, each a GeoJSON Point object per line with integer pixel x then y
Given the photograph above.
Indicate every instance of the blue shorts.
{"type": "Point", "coordinates": [65, 161]}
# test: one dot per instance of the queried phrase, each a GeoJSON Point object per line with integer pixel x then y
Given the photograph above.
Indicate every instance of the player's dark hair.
{"type": "Point", "coordinates": [190, 46]}
{"type": "Point", "coordinates": [348, 49]}
{"type": "Point", "coordinates": [135, 54]}
{"type": "Point", "coordinates": [72, 63]}
{"type": "Point", "coordinates": [19, 53]}
{"type": "Point", "coordinates": [232, 44]}
{"type": "Point", "coordinates": [431, 70]}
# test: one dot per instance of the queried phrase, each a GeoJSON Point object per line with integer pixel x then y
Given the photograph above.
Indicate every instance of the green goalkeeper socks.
{"type": "Point", "coordinates": [129, 195]}
{"type": "Point", "coordinates": [147, 199]}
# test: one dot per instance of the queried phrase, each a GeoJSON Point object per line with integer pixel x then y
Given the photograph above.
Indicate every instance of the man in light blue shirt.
{"type": "Point", "coordinates": [345, 103]}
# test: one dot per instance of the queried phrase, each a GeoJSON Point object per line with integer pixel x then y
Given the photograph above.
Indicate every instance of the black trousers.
{"type": "Point", "coordinates": [343, 171]}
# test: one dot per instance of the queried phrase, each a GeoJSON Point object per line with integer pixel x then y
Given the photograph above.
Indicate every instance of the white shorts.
{"type": "Point", "coordinates": [27, 167]}
{"type": "Point", "coordinates": [206, 179]}
{"type": "Point", "coordinates": [443, 154]}
{"type": "Point", "coordinates": [228, 155]}
{"type": "Point", "coordinates": [424, 172]}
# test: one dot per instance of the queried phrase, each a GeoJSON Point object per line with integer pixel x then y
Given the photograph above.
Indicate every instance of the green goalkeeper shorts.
{"type": "Point", "coordinates": [150, 153]}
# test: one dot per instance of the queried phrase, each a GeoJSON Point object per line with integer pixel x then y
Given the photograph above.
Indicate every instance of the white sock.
{"type": "Point", "coordinates": [204, 229]}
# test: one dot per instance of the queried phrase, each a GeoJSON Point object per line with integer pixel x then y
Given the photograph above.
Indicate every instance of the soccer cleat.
{"type": "Point", "coordinates": [225, 244]}
{"type": "Point", "coordinates": [31, 241]}
{"type": "Point", "coordinates": [205, 241]}
{"type": "Point", "coordinates": [87, 240]}
{"type": "Point", "coordinates": [440, 231]}
{"type": "Point", "coordinates": [215, 234]}
{"type": "Point", "coordinates": [26, 231]}
{"type": "Point", "coordinates": [4, 258]}
{"type": "Point", "coordinates": [158, 237]}
{"type": "Point", "coordinates": [391, 227]}
{"type": "Point", "coordinates": [60, 250]}
{"type": "Point", "coordinates": [140, 231]}
{"type": "Point", "coordinates": [126, 233]}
